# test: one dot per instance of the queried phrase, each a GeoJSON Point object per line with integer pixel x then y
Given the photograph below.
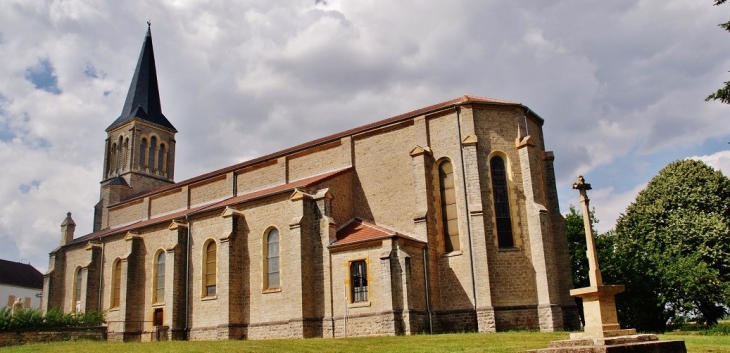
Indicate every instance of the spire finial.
{"type": "Point", "coordinates": [149, 23]}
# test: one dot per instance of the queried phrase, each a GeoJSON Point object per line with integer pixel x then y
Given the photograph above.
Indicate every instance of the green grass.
{"type": "Point", "coordinates": [465, 342]}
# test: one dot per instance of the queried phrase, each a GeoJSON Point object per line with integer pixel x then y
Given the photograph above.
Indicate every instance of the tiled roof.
{"type": "Point", "coordinates": [360, 231]}
{"type": "Point", "coordinates": [221, 204]}
{"type": "Point", "coordinates": [466, 99]}
{"type": "Point", "coordinates": [20, 274]}
{"type": "Point", "coordinates": [143, 97]}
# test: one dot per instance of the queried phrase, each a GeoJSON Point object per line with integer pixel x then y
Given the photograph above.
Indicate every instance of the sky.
{"type": "Point", "coordinates": [621, 86]}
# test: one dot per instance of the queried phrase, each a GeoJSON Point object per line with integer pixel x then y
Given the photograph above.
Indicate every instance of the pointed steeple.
{"type": "Point", "coordinates": [143, 98]}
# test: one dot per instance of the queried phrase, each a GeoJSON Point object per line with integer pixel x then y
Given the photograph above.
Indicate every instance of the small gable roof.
{"type": "Point", "coordinates": [360, 231]}
{"type": "Point", "coordinates": [20, 275]}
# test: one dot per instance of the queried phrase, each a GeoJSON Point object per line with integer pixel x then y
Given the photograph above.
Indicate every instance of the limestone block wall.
{"type": "Point", "coordinates": [383, 186]}
{"type": "Point", "coordinates": [261, 176]}
{"type": "Point", "coordinates": [315, 161]}
{"type": "Point", "coordinates": [210, 190]}
{"type": "Point", "coordinates": [265, 308]}
{"type": "Point", "coordinates": [511, 272]}
{"type": "Point", "coordinates": [454, 291]}
{"type": "Point", "coordinates": [168, 202]}
{"type": "Point", "coordinates": [340, 186]}
{"type": "Point", "coordinates": [127, 213]}
{"type": "Point", "coordinates": [361, 319]}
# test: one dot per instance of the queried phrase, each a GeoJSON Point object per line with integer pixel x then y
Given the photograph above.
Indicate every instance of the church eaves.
{"type": "Point", "coordinates": [143, 98]}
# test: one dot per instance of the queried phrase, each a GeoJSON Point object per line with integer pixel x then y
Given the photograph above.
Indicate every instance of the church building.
{"type": "Point", "coordinates": [441, 219]}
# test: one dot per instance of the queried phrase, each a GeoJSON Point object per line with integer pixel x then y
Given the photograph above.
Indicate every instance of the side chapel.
{"type": "Point", "coordinates": [441, 219]}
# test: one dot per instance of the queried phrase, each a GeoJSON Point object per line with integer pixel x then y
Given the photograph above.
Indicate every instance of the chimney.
{"type": "Point", "coordinates": [67, 229]}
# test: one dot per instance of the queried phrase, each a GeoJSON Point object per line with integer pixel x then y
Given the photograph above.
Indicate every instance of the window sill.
{"type": "Point", "coordinates": [509, 249]}
{"type": "Point", "coordinates": [453, 253]}
{"type": "Point", "coordinates": [359, 304]}
{"type": "Point", "coordinates": [116, 308]}
{"type": "Point", "coordinates": [271, 290]}
{"type": "Point", "coordinates": [155, 305]}
{"type": "Point", "coordinates": [210, 297]}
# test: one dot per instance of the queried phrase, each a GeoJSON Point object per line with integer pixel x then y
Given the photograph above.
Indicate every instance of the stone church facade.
{"type": "Point", "coordinates": [441, 219]}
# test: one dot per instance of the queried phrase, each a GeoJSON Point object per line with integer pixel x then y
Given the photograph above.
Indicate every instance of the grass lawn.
{"type": "Point", "coordinates": [465, 342]}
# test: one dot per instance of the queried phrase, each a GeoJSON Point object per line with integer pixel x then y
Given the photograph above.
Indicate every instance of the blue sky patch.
{"type": "Point", "coordinates": [90, 71]}
{"type": "Point", "coordinates": [43, 76]}
{"type": "Point", "coordinates": [25, 188]}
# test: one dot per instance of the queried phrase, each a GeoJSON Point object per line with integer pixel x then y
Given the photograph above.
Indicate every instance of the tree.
{"type": "Point", "coordinates": [673, 248]}
{"type": "Point", "coordinates": [723, 93]}
{"type": "Point", "coordinates": [577, 248]}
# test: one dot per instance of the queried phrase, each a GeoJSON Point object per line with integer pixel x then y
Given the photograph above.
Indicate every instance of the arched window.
{"type": "Point", "coordinates": [501, 203]}
{"type": "Point", "coordinates": [116, 283]}
{"type": "Point", "coordinates": [449, 215]}
{"type": "Point", "coordinates": [113, 158]}
{"type": "Point", "coordinates": [209, 277]}
{"type": "Point", "coordinates": [160, 278]}
{"type": "Point", "coordinates": [151, 160]}
{"type": "Point", "coordinates": [77, 289]}
{"type": "Point", "coordinates": [142, 152]}
{"type": "Point", "coordinates": [161, 158]}
{"type": "Point", "coordinates": [125, 151]}
{"type": "Point", "coordinates": [272, 260]}
{"type": "Point", "coordinates": [120, 154]}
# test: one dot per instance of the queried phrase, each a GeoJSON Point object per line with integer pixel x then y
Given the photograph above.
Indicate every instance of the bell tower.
{"type": "Point", "coordinates": [139, 155]}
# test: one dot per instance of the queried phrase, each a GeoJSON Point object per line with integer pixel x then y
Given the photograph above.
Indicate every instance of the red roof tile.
{"type": "Point", "coordinates": [228, 202]}
{"type": "Point", "coordinates": [359, 231]}
{"type": "Point", "coordinates": [466, 99]}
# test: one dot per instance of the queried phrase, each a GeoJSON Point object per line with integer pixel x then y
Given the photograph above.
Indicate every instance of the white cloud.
{"type": "Point", "coordinates": [718, 160]}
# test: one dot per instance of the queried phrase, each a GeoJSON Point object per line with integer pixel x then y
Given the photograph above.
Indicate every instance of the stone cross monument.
{"type": "Point", "coordinates": [599, 305]}
{"type": "Point", "coordinates": [602, 332]}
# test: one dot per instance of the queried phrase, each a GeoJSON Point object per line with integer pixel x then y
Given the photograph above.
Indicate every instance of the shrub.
{"type": "Point", "coordinates": [55, 318]}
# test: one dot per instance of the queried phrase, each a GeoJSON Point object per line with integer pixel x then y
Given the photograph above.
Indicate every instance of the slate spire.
{"type": "Point", "coordinates": [143, 98]}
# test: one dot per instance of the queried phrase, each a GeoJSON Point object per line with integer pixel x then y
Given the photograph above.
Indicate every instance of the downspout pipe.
{"type": "Point", "coordinates": [428, 288]}
{"type": "Point", "coordinates": [187, 278]}
{"type": "Point", "coordinates": [468, 214]}
{"type": "Point", "coordinates": [101, 273]}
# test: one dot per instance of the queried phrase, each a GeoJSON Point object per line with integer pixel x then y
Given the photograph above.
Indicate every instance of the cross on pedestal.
{"type": "Point", "coordinates": [599, 304]}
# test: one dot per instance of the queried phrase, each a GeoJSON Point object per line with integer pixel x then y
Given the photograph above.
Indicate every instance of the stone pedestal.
{"type": "Point", "coordinates": [620, 344]}
{"type": "Point", "coordinates": [599, 310]}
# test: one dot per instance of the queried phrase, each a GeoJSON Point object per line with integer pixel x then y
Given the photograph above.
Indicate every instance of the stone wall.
{"type": "Point", "coordinates": [55, 335]}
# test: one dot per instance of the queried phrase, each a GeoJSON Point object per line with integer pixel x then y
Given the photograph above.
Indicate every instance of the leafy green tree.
{"type": "Point", "coordinates": [577, 245]}
{"type": "Point", "coordinates": [723, 93]}
{"type": "Point", "coordinates": [672, 248]}
{"type": "Point", "coordinates": [577, 248]}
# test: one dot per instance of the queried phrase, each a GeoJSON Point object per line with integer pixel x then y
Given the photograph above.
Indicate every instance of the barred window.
{"type": "Point", "coordinates": [210, 269]}
{"type": "Point", "coordinates": [501, 203]}
{"type": "Point", "coordinates": [359, 281]}
{"type": "Point", "coordinates": [272, 259]}
{"type": "Point", "coordinates": [160, 278]}
{"type": "Point", "coordinates": [449, 214]}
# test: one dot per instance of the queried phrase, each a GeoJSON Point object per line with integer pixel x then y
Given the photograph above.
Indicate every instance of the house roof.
{"type": "Point", "coordinates": [465, 99]}
{"type": "Point", "coordinates": [288, 187]}
{"type": "Point", "coordinates": [20, 274]}
{"type": "Point", "coordinates": [359, 231]}
{"type": "Point", "coordinates": [143, 97]}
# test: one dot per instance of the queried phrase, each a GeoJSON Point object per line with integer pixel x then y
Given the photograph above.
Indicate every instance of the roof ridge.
{"type": "Point", "coordinates": [329, 138]}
